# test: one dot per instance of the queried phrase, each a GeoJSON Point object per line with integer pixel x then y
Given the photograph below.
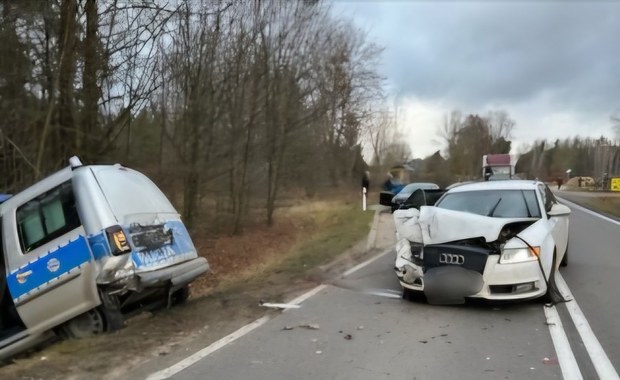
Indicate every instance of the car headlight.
{"type": "Point", "coordinates": [519, 255]}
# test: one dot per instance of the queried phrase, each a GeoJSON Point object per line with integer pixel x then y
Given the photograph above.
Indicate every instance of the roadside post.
{"type": "Point", "coordinates": [364, 191]}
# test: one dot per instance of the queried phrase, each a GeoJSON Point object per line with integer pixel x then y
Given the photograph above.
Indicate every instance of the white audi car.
{"type": "Point", "coordinates": [499, 240]}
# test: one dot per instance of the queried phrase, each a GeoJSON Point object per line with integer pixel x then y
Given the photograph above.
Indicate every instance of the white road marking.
{"type": "Point", "coordinates": [566, 358]}
{"type": "Point", "coordinates": [365, 263]}
{"type": "Point", "coordinates": [385, 293]}
{"type": "Point", "coordinates": [602, 364]}
{"type": "Point", "coordinates": [178, 367]}
{"type": "Point", "coordinates": [588, 211]}
{"type": "Point", "coordinates": [306, 295]}
{"type": "Point", "coordinates": [372, 235]}
{"type": "Point", "coordinates": [192, 359]}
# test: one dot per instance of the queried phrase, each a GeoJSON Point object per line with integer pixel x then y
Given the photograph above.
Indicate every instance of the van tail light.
{"type": "Point", "coordinates": [118, 240]}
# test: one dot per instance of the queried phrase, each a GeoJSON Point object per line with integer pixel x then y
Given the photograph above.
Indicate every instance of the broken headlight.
{"type": "Point", "coordinates": [519, 255]}
{"type": "Point", "coordinates": [417, 253]}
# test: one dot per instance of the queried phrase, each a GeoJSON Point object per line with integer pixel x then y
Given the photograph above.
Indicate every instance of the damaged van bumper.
{"type": "Point", "coordinates": [178, 275]}
{"type": "Point", "coordinates": [126, 278]}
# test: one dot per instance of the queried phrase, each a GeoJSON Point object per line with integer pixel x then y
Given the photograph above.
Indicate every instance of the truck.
{"type": "Point", "coordinates": [498, 167]}
{"type": "Point", "coordinates": [83, 246]}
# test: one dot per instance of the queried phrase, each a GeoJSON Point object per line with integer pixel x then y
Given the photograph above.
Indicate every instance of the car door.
{"type": "Point", "coordinates": [51, 275]}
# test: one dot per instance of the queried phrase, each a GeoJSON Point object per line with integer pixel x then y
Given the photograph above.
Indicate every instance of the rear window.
{"type": "Point", "coordinates": [47, 217]}
{"type": "Point", "coordinates": [132, 195]}
{"type": "Point", "coordinates": [494, 203]}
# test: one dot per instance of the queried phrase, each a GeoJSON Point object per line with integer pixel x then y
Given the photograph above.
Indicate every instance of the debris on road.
{"type": "Point", "coordinates": [287, 328]}
{"type": "Point", "coordinates": [348, 337]}
{"type": "Point", "coordinates": [423, 341]}
{"type": "Point", "coordinates": [310, 326]}
{"type": "Point", "coordinates": [319, 352]}
{"type": "Point", "coordinates": [360, 327]}
{"type": "Point", "coordinates": [279, 305]}
{"type": "Point", "coordinates": [550, 361]}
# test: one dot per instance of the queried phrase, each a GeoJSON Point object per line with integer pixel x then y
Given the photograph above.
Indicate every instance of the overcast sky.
{"type": "Point", "coordinates": [554, 65]}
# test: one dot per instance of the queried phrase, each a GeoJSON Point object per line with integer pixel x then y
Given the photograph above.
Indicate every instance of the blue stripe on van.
{"type": "Point", "coordinates": [49, 266]}
{"type": "Point", "coordinates": [99, 245]}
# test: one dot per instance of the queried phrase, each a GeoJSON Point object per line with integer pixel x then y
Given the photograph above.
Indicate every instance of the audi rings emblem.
{"type": "Point", "coordinates": [450, 258]}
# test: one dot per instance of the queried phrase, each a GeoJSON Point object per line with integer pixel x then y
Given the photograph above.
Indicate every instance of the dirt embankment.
{"type": "Point", "coordinates": [263, 263]}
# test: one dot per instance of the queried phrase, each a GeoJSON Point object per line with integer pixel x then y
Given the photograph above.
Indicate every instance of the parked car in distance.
{"type": "Point", "coordinates": [82, 246]}
{"type": "Point", "coordinates": [399, 198]}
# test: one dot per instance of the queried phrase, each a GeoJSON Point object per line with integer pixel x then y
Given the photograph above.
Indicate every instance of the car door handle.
{"type": "Point", "coordinates": [22, 277]}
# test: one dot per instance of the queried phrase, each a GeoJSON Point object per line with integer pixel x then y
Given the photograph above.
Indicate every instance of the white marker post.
{"type": "Point", "coordinates": [364, 198]}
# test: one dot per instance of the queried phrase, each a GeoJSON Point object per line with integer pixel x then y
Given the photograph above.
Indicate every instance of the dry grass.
{"type": "Point", "coordinates": [606, 205]}
{"type": "Point", "coordinates": [304, 235]}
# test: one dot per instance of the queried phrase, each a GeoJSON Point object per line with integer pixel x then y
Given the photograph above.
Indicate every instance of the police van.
{"type": "Point", "coordinates": [84, 245]}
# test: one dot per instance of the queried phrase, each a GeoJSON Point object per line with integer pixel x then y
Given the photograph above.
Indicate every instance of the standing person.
{"type": "Point", "coordinates": [387, 185]}
{"type": "Point", "coordinates": [366, 181]}
{"type": "Point", "coordinates": [580, 180]}
{"type": "Point", "coordinates": [559, 182]}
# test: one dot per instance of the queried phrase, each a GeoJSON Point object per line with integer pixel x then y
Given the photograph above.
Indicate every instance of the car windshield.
{"type": "Point", "coordinates": [495, 203]}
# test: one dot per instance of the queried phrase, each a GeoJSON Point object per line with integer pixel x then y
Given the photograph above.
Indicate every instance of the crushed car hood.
{"type": "Point", "coordinates": [433, 225]}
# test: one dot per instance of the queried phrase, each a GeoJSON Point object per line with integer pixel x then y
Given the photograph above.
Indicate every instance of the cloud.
{"type": "Point", "coordinates": [552, 65]}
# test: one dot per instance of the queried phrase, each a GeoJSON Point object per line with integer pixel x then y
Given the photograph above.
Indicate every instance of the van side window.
{"type": "Point", "coordinates": [47, 217]}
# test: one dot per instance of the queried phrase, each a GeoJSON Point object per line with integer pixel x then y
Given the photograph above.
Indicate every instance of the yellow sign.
{"type": "Point", "coordinates": [615, 184]}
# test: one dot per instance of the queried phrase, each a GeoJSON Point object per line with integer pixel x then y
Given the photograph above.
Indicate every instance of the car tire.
{"type": "Point", "coordinates": [412, 295]}
{"type": "Point", "coordinates": [564, 261]}
{"type": "Point", "coordinates": [553, 295]}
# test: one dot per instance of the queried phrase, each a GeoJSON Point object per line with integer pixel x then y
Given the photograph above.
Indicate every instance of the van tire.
{"type": "Point", "coordinates": [84, 325]}
{"type": "Point", "coordinates": [180, 296]}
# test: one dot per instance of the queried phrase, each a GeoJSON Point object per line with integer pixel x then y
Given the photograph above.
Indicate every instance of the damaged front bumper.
{"type": "Point", "coordinates": [517, 281]}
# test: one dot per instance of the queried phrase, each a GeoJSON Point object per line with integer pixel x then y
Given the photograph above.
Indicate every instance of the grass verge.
{"type": "Point", "coordinates": [605, 205]}
{"type": "Point", "coordinates": [342, 227]}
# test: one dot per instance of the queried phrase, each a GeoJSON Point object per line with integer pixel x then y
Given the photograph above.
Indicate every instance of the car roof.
{"type": "Point", "coordinates": [513, 184]}
{"type": "Point", "coordinates": [418, 184]}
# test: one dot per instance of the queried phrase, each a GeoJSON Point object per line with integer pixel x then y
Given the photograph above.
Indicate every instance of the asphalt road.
{"type": "Point", "coordinates": [358, 327]}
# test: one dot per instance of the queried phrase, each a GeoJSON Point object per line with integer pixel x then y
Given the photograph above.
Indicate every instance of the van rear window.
{"type": "Point", "coordinates": [47, 217]}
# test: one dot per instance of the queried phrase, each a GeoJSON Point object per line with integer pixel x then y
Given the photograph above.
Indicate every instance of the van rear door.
{"type": "Point", "coordinates": [50, 273]}
{"type": "Point", "coordinates": [153, 227]}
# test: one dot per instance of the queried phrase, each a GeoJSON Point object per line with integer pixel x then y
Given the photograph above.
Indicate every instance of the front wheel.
{"type": "Point", "coordinates": [553, 295]}
{"type": "Point", "coordinates": [564, 261]}
{"type": "Point", "coordinates": [412, 295]}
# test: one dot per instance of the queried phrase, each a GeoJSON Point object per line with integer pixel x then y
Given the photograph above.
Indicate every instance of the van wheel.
{"type": "Point", "coordinates": [180, 296]}
{"type": "Point", "coordinates": [84, 325]}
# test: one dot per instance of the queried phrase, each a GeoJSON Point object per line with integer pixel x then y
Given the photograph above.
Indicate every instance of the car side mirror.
{"type": "Point", "coordinates": [558, 210]}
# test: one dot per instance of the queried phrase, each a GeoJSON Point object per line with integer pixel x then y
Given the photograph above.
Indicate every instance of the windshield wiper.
{"type": "Point", "coordinates": [494, 207]}
{"type": "Point", "coordinates": [527, 207]}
